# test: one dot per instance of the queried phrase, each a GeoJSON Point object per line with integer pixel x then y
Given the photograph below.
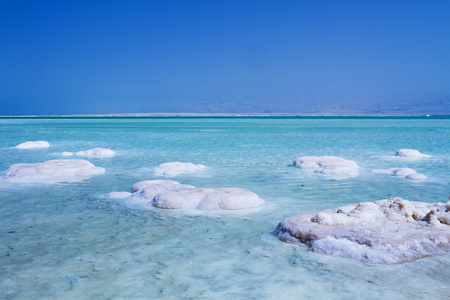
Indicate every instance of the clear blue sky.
{"type": "Point", "coordinates": [66, 57]}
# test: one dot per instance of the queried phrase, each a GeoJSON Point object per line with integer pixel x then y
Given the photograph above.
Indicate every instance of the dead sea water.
{"type": "Point", "coordinates": [71, 241]}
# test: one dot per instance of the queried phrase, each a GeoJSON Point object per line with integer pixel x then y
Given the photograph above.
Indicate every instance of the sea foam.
{"type": "Point", "coordinates": [385, 231]}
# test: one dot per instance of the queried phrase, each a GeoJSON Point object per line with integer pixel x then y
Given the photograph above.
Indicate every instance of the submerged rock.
{"type": "Point", "coordinates": [410, 153]}
{"type": "Point", "coordinates": [385, 231]}
{"type": "Point", "coordinates": [172, 169]}
{"type": "Point", "coordinates": [58, 170]}
{"type": "Point", "coordinates": [33, 145]}
{"type": "Point", "coordinates": [169, 194]}
{"type": "Point", "coordinates": [328, 165]}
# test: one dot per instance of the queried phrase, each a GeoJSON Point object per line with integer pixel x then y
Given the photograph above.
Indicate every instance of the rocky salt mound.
{"type": "Point", "coordinates": [169, 194]}
{"type": "Point", "coordinates": [386, 231]}
{"type": "Point", "coordinates": [402, 172]}
{"type": "Point", "coordinates": [172, 169]}
{"type": "Point", "coordinates": [328, 165]}
{"type": "Point", "coordinates": [52, 171]}
{"type": "Point", "coordinates": [410, 153]}
{"type": "Point", "coordinates": [33, 145]}
{"type": "Point", "coordinates": [96, 152]}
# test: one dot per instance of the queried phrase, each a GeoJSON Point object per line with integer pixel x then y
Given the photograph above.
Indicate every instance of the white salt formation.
{"type": "Point", "coordinates": [96, 152]}
{"type": "Point", "coordinates": [170, 194]}
{"type": "Point", "coordinates": [410, 153]}
{"type": "Point", "coordinates": [327, 165]}
{"type": "Point", "coordinates": [33, 145]}
{"type": "Point", "coordinates": [207, 199]}
{"type": "Point", "coordinates": [177, 168]}
{"type": "Point", "coordinates": [58, 170]}
{"type": "Point", "coordinates": [402, 172]}
{"type": "Point", "coordinates": [119, 195]}
{"type": "Point", "coordinates": [386, 231]}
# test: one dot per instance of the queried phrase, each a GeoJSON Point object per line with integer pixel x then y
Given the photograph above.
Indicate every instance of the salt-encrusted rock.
{"type": "Point", "coordinates": [207, 198]}
{"type": "Point", "coordinates": [33, 145]}
{"type": "Point", "coordinates": [97, 152]}
{"type": "Point", "coordinates": [172, 169]}
{"type": "Point", "coordinates": [410, 153]}
{"type": "Point", "coordinates": [170, 194]}
{"type": "Point", "coordinates": [386, 231]}
{"type": "Point", "coordinates": [148, 189]}
{"type": "Point", "coordinates": [58, 170]}
{"type": "Point", "coordinates": [328, 165]}
{"type": "Point", "coordinates": [402, 172]}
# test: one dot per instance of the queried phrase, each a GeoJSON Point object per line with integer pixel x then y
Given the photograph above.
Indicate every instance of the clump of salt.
{"type": "Point", "coordinates": [386, 231]}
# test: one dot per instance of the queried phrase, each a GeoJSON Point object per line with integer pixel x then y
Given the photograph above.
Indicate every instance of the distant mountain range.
{"type": "Point", "coordinates": [431, 106]}
{"type": "Point", "coordinates": [437, 106]}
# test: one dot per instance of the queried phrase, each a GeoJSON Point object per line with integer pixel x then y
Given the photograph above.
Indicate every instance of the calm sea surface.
{"type": "Point", "coordinates": [71, 241]}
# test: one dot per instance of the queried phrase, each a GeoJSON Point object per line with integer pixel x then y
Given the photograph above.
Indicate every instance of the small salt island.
{"type": "Point", "coordinates": [52, 171]}
{"type": "Point", "coordinates": [169, 194]}
{"type": "Point", "coordinates": [172, 169]}
{"type": "Point", "coordinates": [92, 153]}
{"type": "Point", "coordinates": [386, 231]}
{"type": "Point", "coordinates": [33, 145]}
{"type": "Point", "coordinates": [327, 165]}
{"type": "Point", "coordinates": [401, 172]}
{"type": "Point", "coordinates": [411, 153]}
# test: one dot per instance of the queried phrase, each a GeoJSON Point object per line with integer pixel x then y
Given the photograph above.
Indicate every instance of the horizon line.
{"type": "Point", "coordinates": [221, 115]}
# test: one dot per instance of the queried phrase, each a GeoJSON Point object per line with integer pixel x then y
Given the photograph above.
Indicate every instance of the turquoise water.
{"type": "Point", "coordinates": [70, 240]}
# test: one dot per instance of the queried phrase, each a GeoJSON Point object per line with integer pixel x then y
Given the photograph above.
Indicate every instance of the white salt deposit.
{"type": "Point", "coordinates": [386, 231]}
{"type": "Point", "coordinates": [410, 153]}
{"type": "Point", "coordinates": [172, 169]}
{"type": "Point", "coordinates": [96, 152]}
{"type": "Point", "coordinates": [58, 170]}
{"type": "Point", "coordinates": [33, 145]}
{"type": "Point", "coordinates": [119, 195]}
{"type": "Point", "coordinates": [402, 172]}
{"type": "Point", "coordinates": [327, 165]}
{"type": "Point", "coordinates": [148, 189]}
{"type": "Point", "coordinates": [207, 199]}
{"type": "Point", "coordinates": [170, 194]}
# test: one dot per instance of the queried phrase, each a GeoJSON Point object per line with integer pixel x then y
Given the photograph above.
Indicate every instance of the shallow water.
{"type": "Point", "coordinates": [70, 240]}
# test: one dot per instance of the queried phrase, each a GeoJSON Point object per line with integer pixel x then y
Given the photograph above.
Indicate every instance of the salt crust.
{"type": "Point", "coordinates": [171, 194]}
{"type": "Point", "coordinates": [328, 165]}
{"type": "Point", "coordinates": [33, 145]}
{"type": "Point", "coordinates": [96, 152]}
{"type": "Point", "coordinates": [402, 172]}
{"type": "Point", "coordinates": [410, 153]}
{"type": "Point", "coordinates": [119, 195]}
{"type": "Point", "coordinates": [172, 169]}
{"type": "Point", "coordinates": [385, 231]}
{"type": "Point", "coordinates": [58, 170]}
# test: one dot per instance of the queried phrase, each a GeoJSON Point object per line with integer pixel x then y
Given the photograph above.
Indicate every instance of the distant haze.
{"type": "Point", "coordinates": [346, 57]}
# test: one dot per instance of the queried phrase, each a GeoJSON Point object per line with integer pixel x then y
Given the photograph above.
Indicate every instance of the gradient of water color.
{"type": "Point", "coordinates": [70, 240]}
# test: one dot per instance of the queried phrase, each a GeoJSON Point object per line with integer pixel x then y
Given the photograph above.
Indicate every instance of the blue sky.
{"type": "Point", "coordinates": [69, 57]}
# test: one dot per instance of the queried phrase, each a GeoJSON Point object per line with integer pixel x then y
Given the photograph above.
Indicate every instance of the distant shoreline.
{"type": "Point", "coordinates": [220, 115]}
